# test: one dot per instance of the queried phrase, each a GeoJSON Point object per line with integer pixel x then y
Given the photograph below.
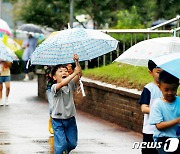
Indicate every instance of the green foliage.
{"type": "Point", "coordinates": [129, 19]}
{"type": "Point", "coordinates": [167, 9]}
{"type": "Point", "coordinates": [51, 13]}
{"type": "Point", "coordinates": [100, 11]}
{"type": "Point", "coordinates": [116, 13]}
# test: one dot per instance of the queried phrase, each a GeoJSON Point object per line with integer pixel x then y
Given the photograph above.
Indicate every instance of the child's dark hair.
{"type": "Point", "coordinates": [151, 65]}
{"type": "Point", "coordinates": [166, 77]}
{"type": "Point", "coordinates": [55, 68]}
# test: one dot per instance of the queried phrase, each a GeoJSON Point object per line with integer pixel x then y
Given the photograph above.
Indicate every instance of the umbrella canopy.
{"type": "Point", "coordinates": [169, 63]}
{"type": "Point", "coordinates": [31, 28]}
{"type": "Point", "coordinates": [10, 43]}
{"type": "Point", "coordinates": [140, 53]}
{"type": "Point", "coordinates": [4, 28]}
{"type": "Point", "coordinates": [60, 47]}
{"type": "Point", "coordinates": [6, 54]}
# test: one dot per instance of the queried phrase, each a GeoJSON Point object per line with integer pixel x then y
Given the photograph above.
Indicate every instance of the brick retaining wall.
{"type": "Point", "coordinates": [115, 104]}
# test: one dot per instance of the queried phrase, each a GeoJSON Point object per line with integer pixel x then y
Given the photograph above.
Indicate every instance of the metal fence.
{"type": "Point", "coordinates": [135, 36]}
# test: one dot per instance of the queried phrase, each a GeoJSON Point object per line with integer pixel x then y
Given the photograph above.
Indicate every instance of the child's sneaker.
{"type": "Point", "coordinates": [26, 78]}
{"type": "Point", "coordinates": [6, 102]}
{"type": "Point", "coordinates": [1, 102]}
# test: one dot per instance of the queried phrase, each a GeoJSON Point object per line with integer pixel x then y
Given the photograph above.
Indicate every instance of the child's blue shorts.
{"type": "Point", "coordinates": [5, 79]}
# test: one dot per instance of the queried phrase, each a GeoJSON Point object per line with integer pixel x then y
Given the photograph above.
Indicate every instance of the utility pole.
{"type": "Point", "coordinates": [71, 13]}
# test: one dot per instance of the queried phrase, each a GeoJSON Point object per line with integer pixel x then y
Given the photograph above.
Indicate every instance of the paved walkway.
{"type": "Point", "coordinates": [23, 127]}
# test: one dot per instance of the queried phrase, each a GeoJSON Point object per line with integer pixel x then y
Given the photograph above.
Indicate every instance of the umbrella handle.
{"type": "Point", "coordinates": [80, 82]}
{"type": "Point", "coordinates": [82, 88]}
{"type": "Point", "coordinates": [27, 65]}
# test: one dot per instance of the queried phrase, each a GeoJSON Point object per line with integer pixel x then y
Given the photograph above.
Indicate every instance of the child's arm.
{"type": "Point", "coordinates": [167, 124]}
{"type": "Point", "coordinates": [77, 77]}
{"type": "Point", "coordinates": [65, 81]}
{"type": "Point", "coordinates": [144, 101]}
{"type": "Point", "coordinates": [145, 108]}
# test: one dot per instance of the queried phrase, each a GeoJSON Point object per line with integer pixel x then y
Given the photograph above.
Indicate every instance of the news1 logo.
{"type": "Point", "coordinates": [170, 145]}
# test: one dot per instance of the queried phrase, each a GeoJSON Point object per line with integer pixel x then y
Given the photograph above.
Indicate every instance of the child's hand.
{"type": "Point", "coordinates": [77, 70]}
{"type": "Point", "coordinates": [76, 57]}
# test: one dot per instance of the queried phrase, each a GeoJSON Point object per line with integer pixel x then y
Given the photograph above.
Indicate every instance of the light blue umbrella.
{"type": "Point", "coordinates": [169, 63]}
{"type": "Point", "coordinates": [6, 54]}
{"type": "Point", "coordinates": [60, 47]}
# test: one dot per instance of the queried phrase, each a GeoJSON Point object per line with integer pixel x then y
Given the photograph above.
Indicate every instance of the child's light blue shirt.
{"type": "Point", "coordinates": [163, 111]}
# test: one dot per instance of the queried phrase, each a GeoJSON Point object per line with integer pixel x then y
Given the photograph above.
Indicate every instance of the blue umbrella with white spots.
{"type": "Point", "coordinates": [6, 54]}
{"type": "Point", "coordinates": [60, 47]}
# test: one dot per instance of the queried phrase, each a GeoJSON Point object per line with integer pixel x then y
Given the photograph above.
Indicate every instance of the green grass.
{"type": "Point", "coordinates": [121, 75]}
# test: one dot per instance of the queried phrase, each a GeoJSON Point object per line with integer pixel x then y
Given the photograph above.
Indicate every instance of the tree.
{"type": "Point", "coordinates": [51, 13]}
{"type": "Point", "coordinates": [101, 12]}
{"type": "Point", "coordinates": [55, 13]}
{"type": "Point", "coordinates": [167, 9]}
{"type": "Point", "coordinates": [129, 19]}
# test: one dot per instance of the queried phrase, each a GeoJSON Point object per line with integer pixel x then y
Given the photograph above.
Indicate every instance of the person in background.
{"type": "Point", "coordinates": [49, 83]}
{"type": "Point", "coordinates": [70, 69]}
{"type": "Point", "coordinates": [149, 94]}
{"type": "Point", "coordinates": [63, 113]}
{"type": "Point", "coordinates": [5, 77]}
{"type": "Point", "coordinates": [165, 114]}
{"type": "Point", "coordinates": [29, 46]}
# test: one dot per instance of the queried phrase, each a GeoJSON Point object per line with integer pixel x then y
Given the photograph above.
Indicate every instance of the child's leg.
{"type": "Point", "coordinates": [60, 143]}
{"type": "Point", "coordinates": [1, 88]}
{"type": "Point", "coordinates": [50, 101]}
{"type": "Point", "coordinates": [148, 138]}
{"type": "Point", "coordinates": [7, 84]}
{"type": "Point", "coordinates": [50, 126]}
{"type": "Point", "coordinates": [71, 134]}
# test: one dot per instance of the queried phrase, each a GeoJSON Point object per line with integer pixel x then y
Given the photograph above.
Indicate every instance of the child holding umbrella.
{"type": "Point", "coordinates": [63, 113]}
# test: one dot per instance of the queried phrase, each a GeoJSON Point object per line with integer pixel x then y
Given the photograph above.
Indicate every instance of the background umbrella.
{"type": "Point", "coordinates": [6, 54]}
{"type": "Point", "coordinates": [60, 47]}
{"type": "Point", "coordinates": [169, 63]}
{"type": "Point", "coordinates": [140, 53]}
{"type": "Point", "coordinates": [30, 28]}
{"type": "Point", "coordinates": [10, 43]}
{"type": "Point", "coordinates": [4, 28]}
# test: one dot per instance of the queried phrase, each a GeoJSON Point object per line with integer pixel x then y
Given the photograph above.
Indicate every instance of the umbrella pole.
{"type": "Point", "coordinates": [80, 82]}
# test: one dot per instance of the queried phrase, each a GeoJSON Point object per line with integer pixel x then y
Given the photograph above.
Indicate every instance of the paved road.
{"type": "Point", "coordinates": [23, 127]}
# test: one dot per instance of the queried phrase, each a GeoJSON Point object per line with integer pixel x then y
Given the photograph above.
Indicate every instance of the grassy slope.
{"type": "Point", "coordinates": [122, 75]}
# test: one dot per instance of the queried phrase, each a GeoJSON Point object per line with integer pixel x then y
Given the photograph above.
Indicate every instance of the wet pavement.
{"type": "Point", "coordinates": [23, 127]}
